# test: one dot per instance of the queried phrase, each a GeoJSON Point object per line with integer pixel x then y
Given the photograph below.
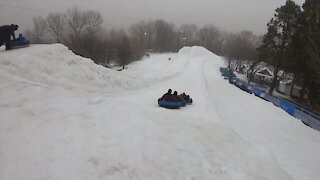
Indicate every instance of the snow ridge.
{"type": "Point", "coordinates": [55, 65]}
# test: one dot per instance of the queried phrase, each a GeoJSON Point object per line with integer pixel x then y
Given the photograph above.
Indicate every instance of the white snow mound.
{"type": "Point", "coordinates": [55, 65]}
{"type": "Point", "coordinates": [196, 51]}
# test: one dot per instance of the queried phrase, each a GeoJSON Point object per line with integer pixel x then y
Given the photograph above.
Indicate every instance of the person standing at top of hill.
{"type": "Point", "coordinates": [6, 32]}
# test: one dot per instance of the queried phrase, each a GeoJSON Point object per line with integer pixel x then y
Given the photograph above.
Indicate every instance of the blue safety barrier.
{"type": "Point", "coordinates": [239, 82]}
{"type": "Point", "coordinates": [287, 106]}
{"type": "Point", "coordinates": [250, 88]}
{"type": "Point", "coordinates": [306, 115]}
{"type": "Point", "coordinates": [243, 85]}
{"type": "Point", "coordinates": [257, 91]}
{"type": "Point", "coordinates": [275, 100]}
{"type": "Point", "coordinates": [232, 80]}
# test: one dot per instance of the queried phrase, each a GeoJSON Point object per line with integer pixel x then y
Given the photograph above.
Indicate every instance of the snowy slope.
{"type": "Point", "coordinates": [63, 117]}
{"type": "Point", "coordinates": [56, 66]}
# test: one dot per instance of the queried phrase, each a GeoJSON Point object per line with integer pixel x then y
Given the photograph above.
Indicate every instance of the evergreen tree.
{"type": "Point", "coordinates": [298, 65]}
{"type": "Point", "coordinates": [310, 42]}
{"type": "Point", "coordinates": [276, 42]}
{"type": "Point", "coordinates": [311, 29]}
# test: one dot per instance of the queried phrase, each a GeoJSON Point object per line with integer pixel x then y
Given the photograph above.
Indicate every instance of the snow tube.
{"type": "Point", "coordinates": [20, 42]}
{"type": "Point", "coordinates": [183, 103]}
{"type": "Point", "coordinates": [170, 104]}
{"type": "Point", "coordinates": [189, 101]}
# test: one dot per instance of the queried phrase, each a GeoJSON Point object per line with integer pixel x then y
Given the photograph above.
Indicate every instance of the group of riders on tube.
{"type": "Point", "coordinates": [174, 101]}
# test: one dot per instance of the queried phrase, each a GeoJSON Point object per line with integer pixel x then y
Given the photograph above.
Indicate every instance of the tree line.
{"type": "Point", "coordinates": [83, 33]}
{"type": "Point", "coordinates": [292, 44]}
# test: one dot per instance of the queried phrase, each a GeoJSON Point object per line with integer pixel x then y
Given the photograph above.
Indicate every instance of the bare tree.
{"type": "Point", "coordinates": [139, 35]}
{"type": "Point", "coordinates": [249, 43]}
{"type": "Point", "coordinates": [93, 22]}
{"type": "Point", "coordinates": [211, 38]}
{"type": "Point", "coordinates": [79, 22]}
{"type": "Point", "coordinates": [124, 50]}
{"type": "Point", "coordinates": [240, 49]}
{"type": "Point", "coordinates": [112, 46]}
{"type": "Point", "coordinates": [150, 30]}
{"type": "Point", "coordinates": [188, 34]}
{"type": "Point", "coordinates": [76, 22]}
{"type": "Point", "coordinates": [84, 26]}
{"type": "Point", "coordinates": [56, 25]}
{"type": "Point", "coordinates": [164, 33]}
{"type": "Point", "coordinates": [39, 26]}
{"type": "Point", "coordinates": [231, 49]}
{"type": "Point", "coordinates": [139, 32]}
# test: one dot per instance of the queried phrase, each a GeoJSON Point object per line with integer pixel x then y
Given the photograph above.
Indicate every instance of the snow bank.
{"type": "Point", "coordinates": [56, 66]}
{"type": "Point", "coordinates": [196, 52]}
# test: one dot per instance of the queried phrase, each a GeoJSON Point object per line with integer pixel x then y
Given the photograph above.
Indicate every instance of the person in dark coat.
{"type": "Point", "coordinates": [6, 32]}
{"type": "Point", "coordinates": [175, 96]}
{"type": "Point", "coordinates": [166, 96]}
{"type": "Point", "coordinates": [169, 97]}
{"type": "Point", "coordinates": [172, 97]}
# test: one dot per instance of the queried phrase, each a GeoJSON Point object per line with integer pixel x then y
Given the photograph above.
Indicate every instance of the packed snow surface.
{"type": "Point", "coordinates": [63, 117]}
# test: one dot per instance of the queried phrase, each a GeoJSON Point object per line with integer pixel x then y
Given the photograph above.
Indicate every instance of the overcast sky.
{"type": "Point", "coordinates": [229, 15]}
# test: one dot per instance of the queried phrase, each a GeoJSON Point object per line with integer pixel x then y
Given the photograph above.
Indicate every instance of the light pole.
{"type": "Point", "coordinates": [184, 41]}
{"type": "Point", "coordinates": [144, 41]}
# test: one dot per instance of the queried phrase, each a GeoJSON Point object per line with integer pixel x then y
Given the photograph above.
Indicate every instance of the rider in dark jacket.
{"type": "Point", "coordinates": [6, 32]}
{"type": "Point", "coordinates": [166, 96]}
{"type": "Point", "coordinates": [169, 97]}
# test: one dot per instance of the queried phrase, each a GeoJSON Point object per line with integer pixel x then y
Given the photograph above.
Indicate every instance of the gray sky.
{"type": "Point", "coordinates": [229, 15]}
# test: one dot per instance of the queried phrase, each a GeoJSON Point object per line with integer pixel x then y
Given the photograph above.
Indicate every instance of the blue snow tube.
{"type": "Point", "coordinates": [189, 101]}
{"type": "Point", "coordinates": [170, 104]}
{"type": "Point", "coordinates": [183, 103]}
{"type": "Point", "coordinates": [20, 42]}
